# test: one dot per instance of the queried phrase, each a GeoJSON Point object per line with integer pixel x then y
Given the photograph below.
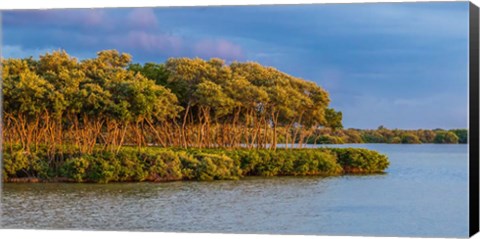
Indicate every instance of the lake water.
{"type": "Point", "coordinates": [424, 194]}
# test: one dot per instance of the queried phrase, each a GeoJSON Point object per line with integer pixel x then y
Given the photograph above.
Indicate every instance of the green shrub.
{"type": "Point", "coordinates": [103, 168]}
{"type": "Point", "coordinates": [249, 159]}
{"type": "Point", "coordinates": [189, 165]}
{"type": "Point", "coordinates": [266, 165]}
{"type": "Point", "coordinates": [132, 168]}
{"type": "Point", "coordinates": [41, 168]}
{"type": "Point", "coordinates": [16, 162]}
{"type": "Point", "coordinates": [284, 162]}
{"type": "Point", "coordinates": [160, 164]}
{"type": "Point", "coordinates": [24, 164]}
{"type": "Point", "coordinates": [328, 165]}
{"type": "Point", "coordinates": [76, 168]}
{"type": "Point", "coordinates": [165, 166]}
{"type": "Point", "coordinates": [354, 160]}
{"type": "Point", "coordinates": [216, 167]}
{"type": "Point", "coordinates": [288, 163]}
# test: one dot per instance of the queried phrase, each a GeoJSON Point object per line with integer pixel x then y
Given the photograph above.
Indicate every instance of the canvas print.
{"type": "Point", "coordinates": [315, 119]}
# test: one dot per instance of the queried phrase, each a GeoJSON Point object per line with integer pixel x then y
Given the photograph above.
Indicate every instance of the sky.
{"type": "Point", "coordinates": [400, 65]}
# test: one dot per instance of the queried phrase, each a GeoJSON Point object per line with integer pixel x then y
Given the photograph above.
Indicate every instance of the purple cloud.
{"type": "Point", "coordinates": [220, 48]}
{"type": "Point", "coordinates": [142, 18]}
{"type": "Point", "coordinates": [58, 18]}
{"type": "Point", "coordinates": [149, 42]}
{"type": "Point", "coordinates": [133, 30]}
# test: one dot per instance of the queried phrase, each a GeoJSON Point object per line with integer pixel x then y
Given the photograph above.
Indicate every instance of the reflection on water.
{"type": "Point", "coordinates": [424, 193]}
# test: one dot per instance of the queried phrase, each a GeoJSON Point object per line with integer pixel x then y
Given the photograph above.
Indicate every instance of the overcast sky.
{"type": "Point", "coordinates": [401, 65]}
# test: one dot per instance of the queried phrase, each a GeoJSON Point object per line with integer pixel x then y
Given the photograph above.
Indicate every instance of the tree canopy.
{"type": "Point", "coordinates": [111, 101]}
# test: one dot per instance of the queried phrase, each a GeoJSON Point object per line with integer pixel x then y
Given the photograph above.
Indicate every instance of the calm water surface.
{"type": "Point", "coordinates": [424, 193]}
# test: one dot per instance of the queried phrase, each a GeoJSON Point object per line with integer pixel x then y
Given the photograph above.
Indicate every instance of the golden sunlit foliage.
{"type": "Point", "coordinates": [108, 101]}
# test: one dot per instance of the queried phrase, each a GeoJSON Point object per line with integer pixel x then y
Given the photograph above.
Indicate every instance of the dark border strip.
{"type": "Point", "coordinates": [474, 120]}
{"type": "Point", "coordinates": [1, 120]}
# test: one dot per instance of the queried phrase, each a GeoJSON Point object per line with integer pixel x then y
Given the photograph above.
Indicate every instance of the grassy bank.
{"type": "Point", "coordinates": [154, 164]}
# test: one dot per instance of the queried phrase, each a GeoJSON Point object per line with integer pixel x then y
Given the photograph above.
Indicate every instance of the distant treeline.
{"type": "Point", "coordinates": [389, 136]}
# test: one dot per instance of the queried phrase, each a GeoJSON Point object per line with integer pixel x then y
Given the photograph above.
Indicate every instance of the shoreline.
{"type": "Point", "coordinates": [151, 164]}
{"type": "Point", "coordinates": [71, 181]}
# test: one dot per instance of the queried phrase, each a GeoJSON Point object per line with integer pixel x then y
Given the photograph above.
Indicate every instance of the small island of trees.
{"type": "Point", "coordinates": [107, 119]}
